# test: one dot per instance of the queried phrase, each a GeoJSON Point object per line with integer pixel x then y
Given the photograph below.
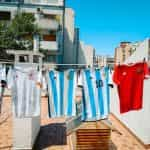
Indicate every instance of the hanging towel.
{"type": "Point", "coordinates": [25, 86]}
{"type": "Point", "coordinates": [95, 94]}
{"type": "Point", "coordinates": [2, 83]}
{"type": "Point", "coordinates": [62, 85]}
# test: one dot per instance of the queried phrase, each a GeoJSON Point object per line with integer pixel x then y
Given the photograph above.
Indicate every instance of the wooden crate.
{"type": "Point", "coordinates": [93, 136]}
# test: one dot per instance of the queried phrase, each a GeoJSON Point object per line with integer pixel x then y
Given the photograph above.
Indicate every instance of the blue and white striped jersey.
{"type": "Point", "coordinates": [95, 94]}
{"type": "Point", "coordinates": [62, 86]}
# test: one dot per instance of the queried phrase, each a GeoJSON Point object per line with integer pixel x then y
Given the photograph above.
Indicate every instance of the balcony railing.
{"type": "Point", "coordinates": [41, 2]}
{"type": "Point", "coordinates": [49, 45]}
{"type": "Point", "coordinates": [48, 24]}
{"type": "Point", "coordinates": [10, 1]}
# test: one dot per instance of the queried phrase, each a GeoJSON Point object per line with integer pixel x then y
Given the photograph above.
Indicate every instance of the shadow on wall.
{"type": "Point", "coordinates": [73, 50]}
{"type": "Point", "coordinates": [51, 134]}
{"type": "Point", "coordinates": [69, 57]}
{"type": "Point", "coordinates": [81, 54]}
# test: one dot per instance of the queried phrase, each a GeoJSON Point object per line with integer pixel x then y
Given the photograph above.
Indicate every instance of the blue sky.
{"type": "Point", "coordinates": [105, 23]}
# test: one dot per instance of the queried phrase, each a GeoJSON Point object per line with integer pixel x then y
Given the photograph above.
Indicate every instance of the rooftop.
{"type": "Point", "coordinates": [121, 138]}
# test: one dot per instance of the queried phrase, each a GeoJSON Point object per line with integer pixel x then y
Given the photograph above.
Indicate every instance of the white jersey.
{"type": "Point", "coordinates": [26, 91]}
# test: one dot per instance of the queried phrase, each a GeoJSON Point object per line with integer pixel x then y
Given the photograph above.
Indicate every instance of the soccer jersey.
{"type": "Point", "coordinates": [26, 91]}
{"type": "Point", "coordinates": [62, 86]}
{"type": "Point", "coordinates": [129, 79]}
{"type": "Point", "coordinates": [95, 94]}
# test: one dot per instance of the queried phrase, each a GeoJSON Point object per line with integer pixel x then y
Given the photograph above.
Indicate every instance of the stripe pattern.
{"type": "Point", "coordinates": [95, 94]}
{"type": "Point", "coordinates": [61, 87]}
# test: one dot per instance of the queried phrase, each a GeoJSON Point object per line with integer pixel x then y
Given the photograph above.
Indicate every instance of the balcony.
{"type": "Point", "coordinates": [49, 45]}
{"type": "Point", "coordinates": [38, 2]}
{"type": "Point", "coordinates": [45, 2]}
{"type": "Point", "coordinates": [48, 24]}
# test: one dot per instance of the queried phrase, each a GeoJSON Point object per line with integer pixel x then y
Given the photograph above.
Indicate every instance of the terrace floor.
{"type": "Point", "coordinates": [121, 138]}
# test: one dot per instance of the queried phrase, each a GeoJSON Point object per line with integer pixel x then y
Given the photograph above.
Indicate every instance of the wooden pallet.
{"type": "Point", "coordinates": [93, 136]}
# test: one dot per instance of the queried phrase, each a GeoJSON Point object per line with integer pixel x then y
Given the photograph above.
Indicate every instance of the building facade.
{"type": "Point", "coordinates": [69, 35]}
{"type": "Point", "coordinates": [124, 51]}
{"type": "Point", "coordinates": [49, 16]}
{"type": "Point", "coordinates": [104, 61]}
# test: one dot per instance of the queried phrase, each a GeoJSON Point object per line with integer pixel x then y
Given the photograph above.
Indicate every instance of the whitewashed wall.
{"type": "Point", "coordinates": [137, 121]}
{"type": "Point", "coordinates": [141, 51]}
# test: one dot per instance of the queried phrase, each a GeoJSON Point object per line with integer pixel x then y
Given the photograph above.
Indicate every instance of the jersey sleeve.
{"type": "Point", "coordinates": [146, 71]}
{"type": "Point", "coordinates": [116, 76]}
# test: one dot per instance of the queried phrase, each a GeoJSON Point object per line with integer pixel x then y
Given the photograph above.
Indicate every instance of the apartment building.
{"type": "Point", "coordinates": [124, 51]}
{"type": "Point", "coordinates": [104, 61]}
{"type": "Point", "coordinates": [49, 16]}
{"type": "Point", "coordinates": [69, 35]}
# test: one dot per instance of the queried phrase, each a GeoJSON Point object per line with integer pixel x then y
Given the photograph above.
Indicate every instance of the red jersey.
{"type": "Point", "coordinates": [130, 80]}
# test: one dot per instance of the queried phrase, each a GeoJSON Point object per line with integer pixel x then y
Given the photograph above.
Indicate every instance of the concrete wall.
{"type": "Point", "coordinates": [69, 37]}
{"type": "Point", "coordinates": [137, 121]}
{"type": "Point", "coordinates": [141, 51]}
{"type": "Point", "coordinates": [29, 129]}
{"type": "Point", "coordinates": [86, 54]}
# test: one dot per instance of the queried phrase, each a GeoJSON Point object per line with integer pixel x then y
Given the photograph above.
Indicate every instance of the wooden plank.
{"type": "Point", "coordinates": [92, 141]}
{"type": "Point", "coordinates": [93, 136]}
{"type": "Point", "coordinates": [93, 147]}
{"type": "Point", "coordinates": [93, 125]}
{"type": "Point", "coordinates": [93, 130]}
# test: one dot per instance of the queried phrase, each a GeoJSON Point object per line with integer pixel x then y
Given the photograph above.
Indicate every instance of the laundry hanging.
{"type": "Point", "coordinates": [61, 87]}
{"type": "Point", "coordinates": [2, 83]}
{"type": "Point", "coordinates": [130, 80]}
{"type": "Point", "coordinates": [25, 84]}
{"type": "Point", "coordinates": [95, 94]}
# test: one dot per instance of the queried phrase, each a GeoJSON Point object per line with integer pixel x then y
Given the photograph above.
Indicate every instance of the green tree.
{"type": "Point", "coordinates": [4, 39]}
{"type": "Point", "coordinates": [23, 28]}
{"type": "Point", "coordinates": [18, 33]}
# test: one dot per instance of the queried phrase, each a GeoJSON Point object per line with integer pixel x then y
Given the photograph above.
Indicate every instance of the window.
{"type": "Point", "coordinates": [123, 50]}
{"type": "Point", "coordinates": [130, 52]}
{"type": "Point", "coordinates": [49, 37]}
{"type": "Point", "coordinates": [48, 16]}
{"type": "Point", "coordinates": [36, 59]}
{"type": "Point", "coordinates": [51, 59]}
{"type": "Point", "coordinates": [5, 15]}
{"type": "Point", "coordinates": [24, 58]}
{"type": "Point", "coordinates": [124, 57]}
